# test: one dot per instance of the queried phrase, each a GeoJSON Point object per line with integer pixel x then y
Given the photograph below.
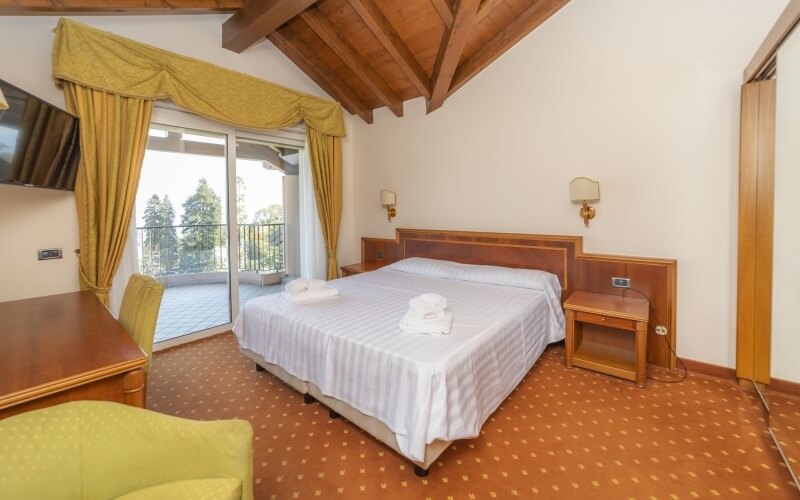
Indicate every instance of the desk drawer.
{"type": "Point", "coordinates": [600, 319]}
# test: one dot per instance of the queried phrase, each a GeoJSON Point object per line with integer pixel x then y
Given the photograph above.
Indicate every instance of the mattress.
{"type": "Point", "coordinates": [424, 388]}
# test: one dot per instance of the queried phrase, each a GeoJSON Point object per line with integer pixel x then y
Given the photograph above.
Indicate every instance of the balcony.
{"type": "Point", "coordinates": [192, 262]}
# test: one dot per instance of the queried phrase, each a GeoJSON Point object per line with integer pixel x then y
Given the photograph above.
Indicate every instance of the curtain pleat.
{"type": "Point", "coordinates": [326, 164]}
{"type": "Point", "coordinates": [113, 140]}
{"type": "Point", "coordinates": [104, 61]}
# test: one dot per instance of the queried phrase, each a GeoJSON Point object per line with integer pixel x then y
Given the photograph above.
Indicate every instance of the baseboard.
{"type": "Point", "coordinates": [784, 386]}
{"type": "Point", "coordinates": [717, 371]}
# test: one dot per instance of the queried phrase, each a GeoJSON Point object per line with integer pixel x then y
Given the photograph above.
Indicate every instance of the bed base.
{"type": "Point", "coordinates": [368, 424]}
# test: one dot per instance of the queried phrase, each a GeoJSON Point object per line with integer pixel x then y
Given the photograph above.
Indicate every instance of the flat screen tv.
{"type": "Point", "coordinates": [39, 143]}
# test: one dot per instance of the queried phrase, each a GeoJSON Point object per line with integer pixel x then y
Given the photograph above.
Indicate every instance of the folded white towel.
{"type": "Point", "coordinates": [301, 285]}
{"type": "Point", "coordinates": [297, 286]}
{"type": "Point", "coordinates": [316, 284]}
{"type": "Point", "coordinates": [311, 295]}
{"type": "Point", "coordinates": [438, 325]}
{"type": "Point", "coordinates": [427, 305]}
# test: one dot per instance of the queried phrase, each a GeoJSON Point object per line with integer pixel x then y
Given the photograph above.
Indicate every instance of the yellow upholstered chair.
{"type": "Point", "coordinates": [138, 312]}
{"type": "Point", "coordinates": [87, 450]}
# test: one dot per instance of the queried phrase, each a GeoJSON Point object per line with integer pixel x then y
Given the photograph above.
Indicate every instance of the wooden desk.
{"type": "Point", "coordinates": [64, 348]}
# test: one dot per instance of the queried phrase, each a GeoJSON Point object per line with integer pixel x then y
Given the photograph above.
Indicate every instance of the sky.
{"type": "Point", "coordinates": [177, 175]}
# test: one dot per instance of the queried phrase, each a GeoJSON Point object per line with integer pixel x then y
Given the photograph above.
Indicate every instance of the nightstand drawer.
{"type": "Point", "coordinates": [599, 319]}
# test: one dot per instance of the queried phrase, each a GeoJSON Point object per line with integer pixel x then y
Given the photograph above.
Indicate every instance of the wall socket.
{"type": "Point", "coordinates": [621, 282]}
{"type": "Point", "coordinates": [49, 253]}
{"type": "Point", "coordinates": [661, 330]}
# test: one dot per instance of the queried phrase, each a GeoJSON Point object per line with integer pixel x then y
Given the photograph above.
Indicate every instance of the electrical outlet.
{"type": "Point", "coordinates": [661, 330]}
{"type": "Point", "coordinates": [49, 253]}
{"type": "Point", "coordinates": [379, 255]}
{"type": "Point", "coordinates": [621, 282]}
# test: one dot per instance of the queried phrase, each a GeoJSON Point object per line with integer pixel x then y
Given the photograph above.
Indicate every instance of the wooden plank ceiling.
{"type": "Point", "coordinates": [366, 54]}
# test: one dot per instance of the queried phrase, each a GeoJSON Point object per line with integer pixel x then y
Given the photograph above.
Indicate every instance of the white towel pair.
{"type": "Point", "coordinates": [426, 314]}
{"type": "Point", "coordinates": [301, 285]}
{"type": "Point", "coordinates": [427, 305]}
{"type": "Point", "coordinates": [302, 290]}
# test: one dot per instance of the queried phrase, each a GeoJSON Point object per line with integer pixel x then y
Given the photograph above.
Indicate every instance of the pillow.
{"type": "Point", "coordinates": [508, 276]}
{"type": "Point", "coordinates": [430, 267]}
{"type": "Point", "coordinates": [495, 275]}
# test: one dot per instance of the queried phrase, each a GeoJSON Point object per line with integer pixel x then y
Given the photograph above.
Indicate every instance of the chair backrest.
{"type": "Point", "coordinates": [138, 312]}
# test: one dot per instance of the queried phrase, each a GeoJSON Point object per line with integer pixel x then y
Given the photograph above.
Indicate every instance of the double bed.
{"type": "Point", "coordinates": [415, 392]}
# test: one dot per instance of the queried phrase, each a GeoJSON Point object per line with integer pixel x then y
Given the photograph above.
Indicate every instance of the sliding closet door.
{"type": "Point", "coordinates": [756, 186]}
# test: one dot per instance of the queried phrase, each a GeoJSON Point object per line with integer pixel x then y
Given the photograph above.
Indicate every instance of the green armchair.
{"type": "Point", "coordinates": [88, 450]}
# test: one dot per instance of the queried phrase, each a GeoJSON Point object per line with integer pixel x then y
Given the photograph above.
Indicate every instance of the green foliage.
{"type": "Point", "coordinates": [202, 211]}
{"type": "Point", "coordinates": [160, 250]}
{"type": "Point", "coordinates": [264, 239]}
{"type": "Point", "coordinates": [272, 214]}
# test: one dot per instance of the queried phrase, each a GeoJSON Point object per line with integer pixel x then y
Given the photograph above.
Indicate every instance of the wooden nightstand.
{"type": "Point", "coordinates": [608, 334]}
{"type": "Point", "coordinates": [361, 267]}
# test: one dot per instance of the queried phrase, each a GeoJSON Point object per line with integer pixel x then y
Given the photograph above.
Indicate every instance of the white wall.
{"type": "Point", "coordinates": [25, 48]}
{"type": "Point", "coordinates": [786, 245]}
{"type": "Point", "coordinates": [640, 95]}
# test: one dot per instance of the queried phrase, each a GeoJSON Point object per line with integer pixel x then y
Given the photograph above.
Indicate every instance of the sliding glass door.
{"type": "Point", "coordinates": [216, 220]}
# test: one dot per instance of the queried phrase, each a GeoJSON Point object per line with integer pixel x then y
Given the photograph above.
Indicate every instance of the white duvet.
{"type": "Point", "coordinates": [422, 387]}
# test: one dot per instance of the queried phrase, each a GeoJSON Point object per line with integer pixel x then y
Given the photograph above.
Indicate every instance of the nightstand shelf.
{"type": "Point", "coordinates": [608, 334]}
{"type": "Point", "coordinates": [360, 267]}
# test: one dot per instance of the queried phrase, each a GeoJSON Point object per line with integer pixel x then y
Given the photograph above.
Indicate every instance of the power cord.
{"type": "Point", "coordinates": [658, 321]}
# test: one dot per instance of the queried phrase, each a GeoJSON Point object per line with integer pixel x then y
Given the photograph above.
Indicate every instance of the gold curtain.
{"type": "Point", "coordinates": [116, 66]}
{"type": "Point", "coordinates": [101, 60]}
{"type": "Point", "coordinates": [326, 164]}
{"type": "Point", "coordinates": [113, 139]}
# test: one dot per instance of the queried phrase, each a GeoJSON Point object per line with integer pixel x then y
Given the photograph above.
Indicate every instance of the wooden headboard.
{"type": "Point", "coordinates": [560, 255]}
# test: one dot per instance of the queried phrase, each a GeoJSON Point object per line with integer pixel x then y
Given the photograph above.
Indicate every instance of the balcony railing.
{"type": "Point", "coordinates": [167, 250]}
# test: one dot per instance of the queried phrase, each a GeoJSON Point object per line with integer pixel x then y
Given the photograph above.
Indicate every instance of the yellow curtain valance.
{"type": "Point", "coordinates": [107, 62]}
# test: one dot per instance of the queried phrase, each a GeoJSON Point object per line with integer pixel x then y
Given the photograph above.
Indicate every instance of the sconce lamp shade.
{"type": "Point", "coordinates": [583, 189]}
{"type": "Point", "coordinates": [3, 102]}
{"type": "Point", "coordinates": [388, 198]}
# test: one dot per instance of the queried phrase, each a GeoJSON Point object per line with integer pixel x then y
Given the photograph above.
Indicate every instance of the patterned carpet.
{"type": "Point", "coordinates": [561, 434]}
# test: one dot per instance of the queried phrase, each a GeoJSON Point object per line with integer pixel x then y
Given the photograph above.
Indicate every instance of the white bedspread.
{"type": "Point", "coordinates": [422, 387]}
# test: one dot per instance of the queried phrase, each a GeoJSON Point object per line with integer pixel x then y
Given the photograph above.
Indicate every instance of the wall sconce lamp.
{"type": "Point", "coordinates": [388, 200]}
{"type": "Point", "coordinates": [583, 190]}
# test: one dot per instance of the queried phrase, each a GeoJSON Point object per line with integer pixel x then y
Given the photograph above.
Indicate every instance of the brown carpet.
{"type": "Point", "coordinates": [561, 434]}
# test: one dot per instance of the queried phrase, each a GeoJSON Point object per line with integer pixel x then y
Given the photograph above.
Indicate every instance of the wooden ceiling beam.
{"type": "Point", "coordinates": [529, 20]}
{"type": "Point", "coordinates": [257, 19]}
{"type": "Point", "coordinates": [324, 29]}
{"type": "Point", "coordinates": [85, 7]}
{"type": "Point", "coordinates": [394, 45]}
{"type": "Point", "coordinates": [292, 47]}
{"type": "Point", "coordinates": [450, 52]}
{"type": "Point", "coordinates": [445, 12]}
{"type": "Point", "coordinates": [485, 8]}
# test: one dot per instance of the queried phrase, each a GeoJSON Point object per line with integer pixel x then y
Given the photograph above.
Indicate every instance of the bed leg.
{"type": "Point", "coordinates": [308, 399]}
{"type": "Point", "coordinates": [420, 472]}
{"type": "Point", "coordinates": [260, 368]}
{"type": "Point", "coordinates": [333, 414]}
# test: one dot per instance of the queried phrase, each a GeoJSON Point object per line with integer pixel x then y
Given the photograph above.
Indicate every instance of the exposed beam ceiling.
{"type": "Point", "coordinates": [533, 16]}
{"type": "Point", "coordinates": [257, 19]}
{"type": "Point", "coordinates": [328, 33]}
{"type": "Point", "coordinates": [450, 52]}
{"type": "Point", "coordinates": [366, 54]}
{"type": "Point", "coordinates": [394, 45]}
